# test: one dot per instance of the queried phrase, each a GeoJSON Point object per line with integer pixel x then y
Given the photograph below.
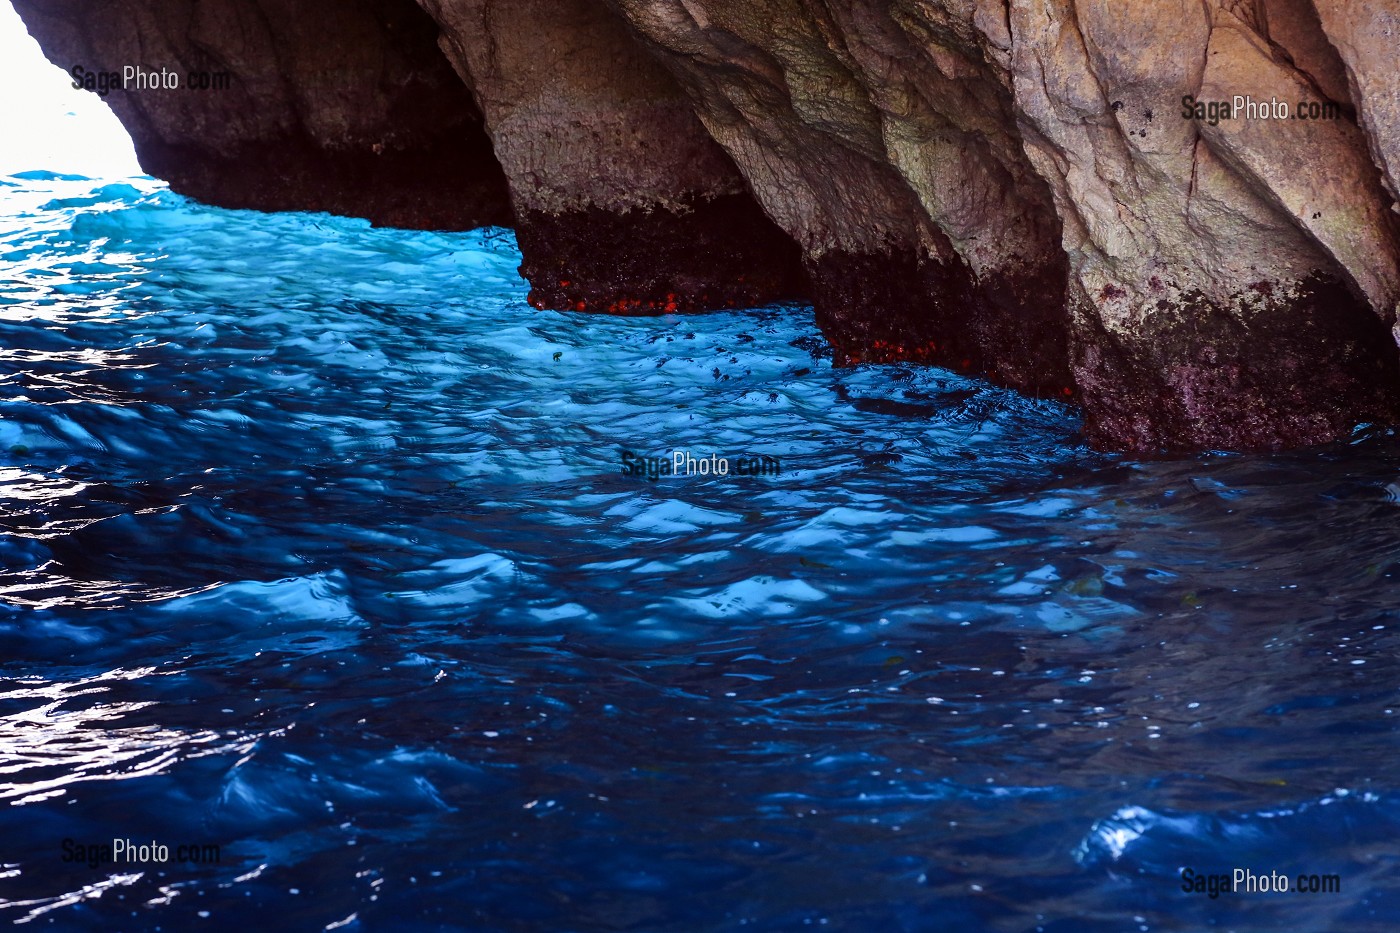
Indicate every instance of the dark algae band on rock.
{"type": "Point", "coordinates": [1050, 195]}
{"type": "Point", "coordinates": [1273, 369]}
{"type": "Point", "coordinates": [720, 253]}
{"type": "Point", "coordinates": [903, 307]}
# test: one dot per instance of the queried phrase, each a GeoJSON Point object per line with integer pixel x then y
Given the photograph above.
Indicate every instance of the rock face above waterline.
{"type": "Point", "coordinates": [1182, 214]}
{"type": "Point", "coordinates": [343, 106]}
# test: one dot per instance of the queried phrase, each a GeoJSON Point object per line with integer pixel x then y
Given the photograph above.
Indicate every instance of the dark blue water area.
{"type": "Point", "coordinates": [317, 548]}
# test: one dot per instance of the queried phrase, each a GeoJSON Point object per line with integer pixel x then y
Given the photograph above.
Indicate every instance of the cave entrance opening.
{"type": "Point", "coordinates": [48, 125]}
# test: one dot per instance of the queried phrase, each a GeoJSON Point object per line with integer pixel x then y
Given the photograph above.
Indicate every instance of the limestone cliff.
{"type": "Point", "coordinates": [1227, 286]}
{"type": "Point", "coordinates": [1061, 195]}
{"type": "Point", "coordinates": [624, 203]}
{"type": "Point", "coordinates": [927, 236]}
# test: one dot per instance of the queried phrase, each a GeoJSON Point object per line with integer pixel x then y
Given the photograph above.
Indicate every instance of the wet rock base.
{"type": "Point", "coordinates": [905, 307]}
{"type": "Point", "coordinates": [448, 184]}
{"type": "Point", "coordinates": [717, 253]}
{"type": "Point", "coordinates": [1285, 367]}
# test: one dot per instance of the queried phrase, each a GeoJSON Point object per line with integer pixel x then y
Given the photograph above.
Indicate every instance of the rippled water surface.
{"type": "Point", "coordinates": [317, 548]}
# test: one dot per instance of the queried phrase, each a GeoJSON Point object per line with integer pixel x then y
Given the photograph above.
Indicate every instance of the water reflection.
{"type": "Point", "coordinates": [58, 741]}
{"type": "Point", "coordinates": [328, 559]}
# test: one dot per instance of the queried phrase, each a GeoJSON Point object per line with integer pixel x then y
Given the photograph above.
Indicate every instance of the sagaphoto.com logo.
{"type": "Point", "coordinates": [681, 462]}
{"type": "Point", "coordinates": [130, 78]}
{"type": "Point", "coordinates": [100, 853]}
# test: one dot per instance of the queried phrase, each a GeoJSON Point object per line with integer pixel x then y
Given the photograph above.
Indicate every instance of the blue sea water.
{"type": "Point", "coordinates": [317, 548]}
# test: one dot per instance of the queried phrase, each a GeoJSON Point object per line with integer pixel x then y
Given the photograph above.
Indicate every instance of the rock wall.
{"type": "Point", "coordinates": [926, 236]}
{"type": "Point", "coordinates": [624, 202]}
{"type": "Point", "coordinates": [344, 106]}
{"type": "Point", "coordinates": [1216, 266]}
{"type": "Point", "coordinates": [1365, 37]}
{"type": "Point", "coordinates": [1039, 191]}
{"type": "Point", "coordinates": [1209, 270]}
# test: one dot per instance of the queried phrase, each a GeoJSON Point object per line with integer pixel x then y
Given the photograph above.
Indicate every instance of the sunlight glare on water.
{"type": "Point", "coordinates": [48, 125]}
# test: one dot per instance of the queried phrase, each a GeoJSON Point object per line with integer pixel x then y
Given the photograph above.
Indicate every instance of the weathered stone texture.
{"type": "Point", "coordinates": [1013, 126]}
{"type": "Point", "coordinates": [1174, 228]}
{"type": "Point", "coordinates": [1366, 36]}
{"type": "Point", "coordinates": [895, 165]}
{"type": "Point", "coordinates": [624, 203]}
{"type": "Point", "coordinates": [1008, 187]}
{"type": "Point", "coordinates": [345, 106]}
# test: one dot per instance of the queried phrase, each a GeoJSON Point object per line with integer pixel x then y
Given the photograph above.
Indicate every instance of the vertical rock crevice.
{"type": "Point", "coordinates": [882, 162]}
{"type": "Point", "coordinates": [1209, 263]}
{"type": "Point", "coordinates": [1364, 37]}
{"type": "Point", "coordinates": [624, 204]}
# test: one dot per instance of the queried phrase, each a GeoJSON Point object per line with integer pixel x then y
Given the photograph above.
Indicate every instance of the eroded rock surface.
{"type": "Point", "coordinates": [889, 160]}
{"type": "Point", "coordinates": [1208, 259]}
{"type": "Point", "coordinates": [624, 203]}
{"type": "Point", "coordinates": [344, 106]}
{"type": "Point", "coordinates": [1041, 191]}
{"type": "Point", "coordinates": [1366, 37]}
{"type": "Point", "coordinates": [1209, 267]}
